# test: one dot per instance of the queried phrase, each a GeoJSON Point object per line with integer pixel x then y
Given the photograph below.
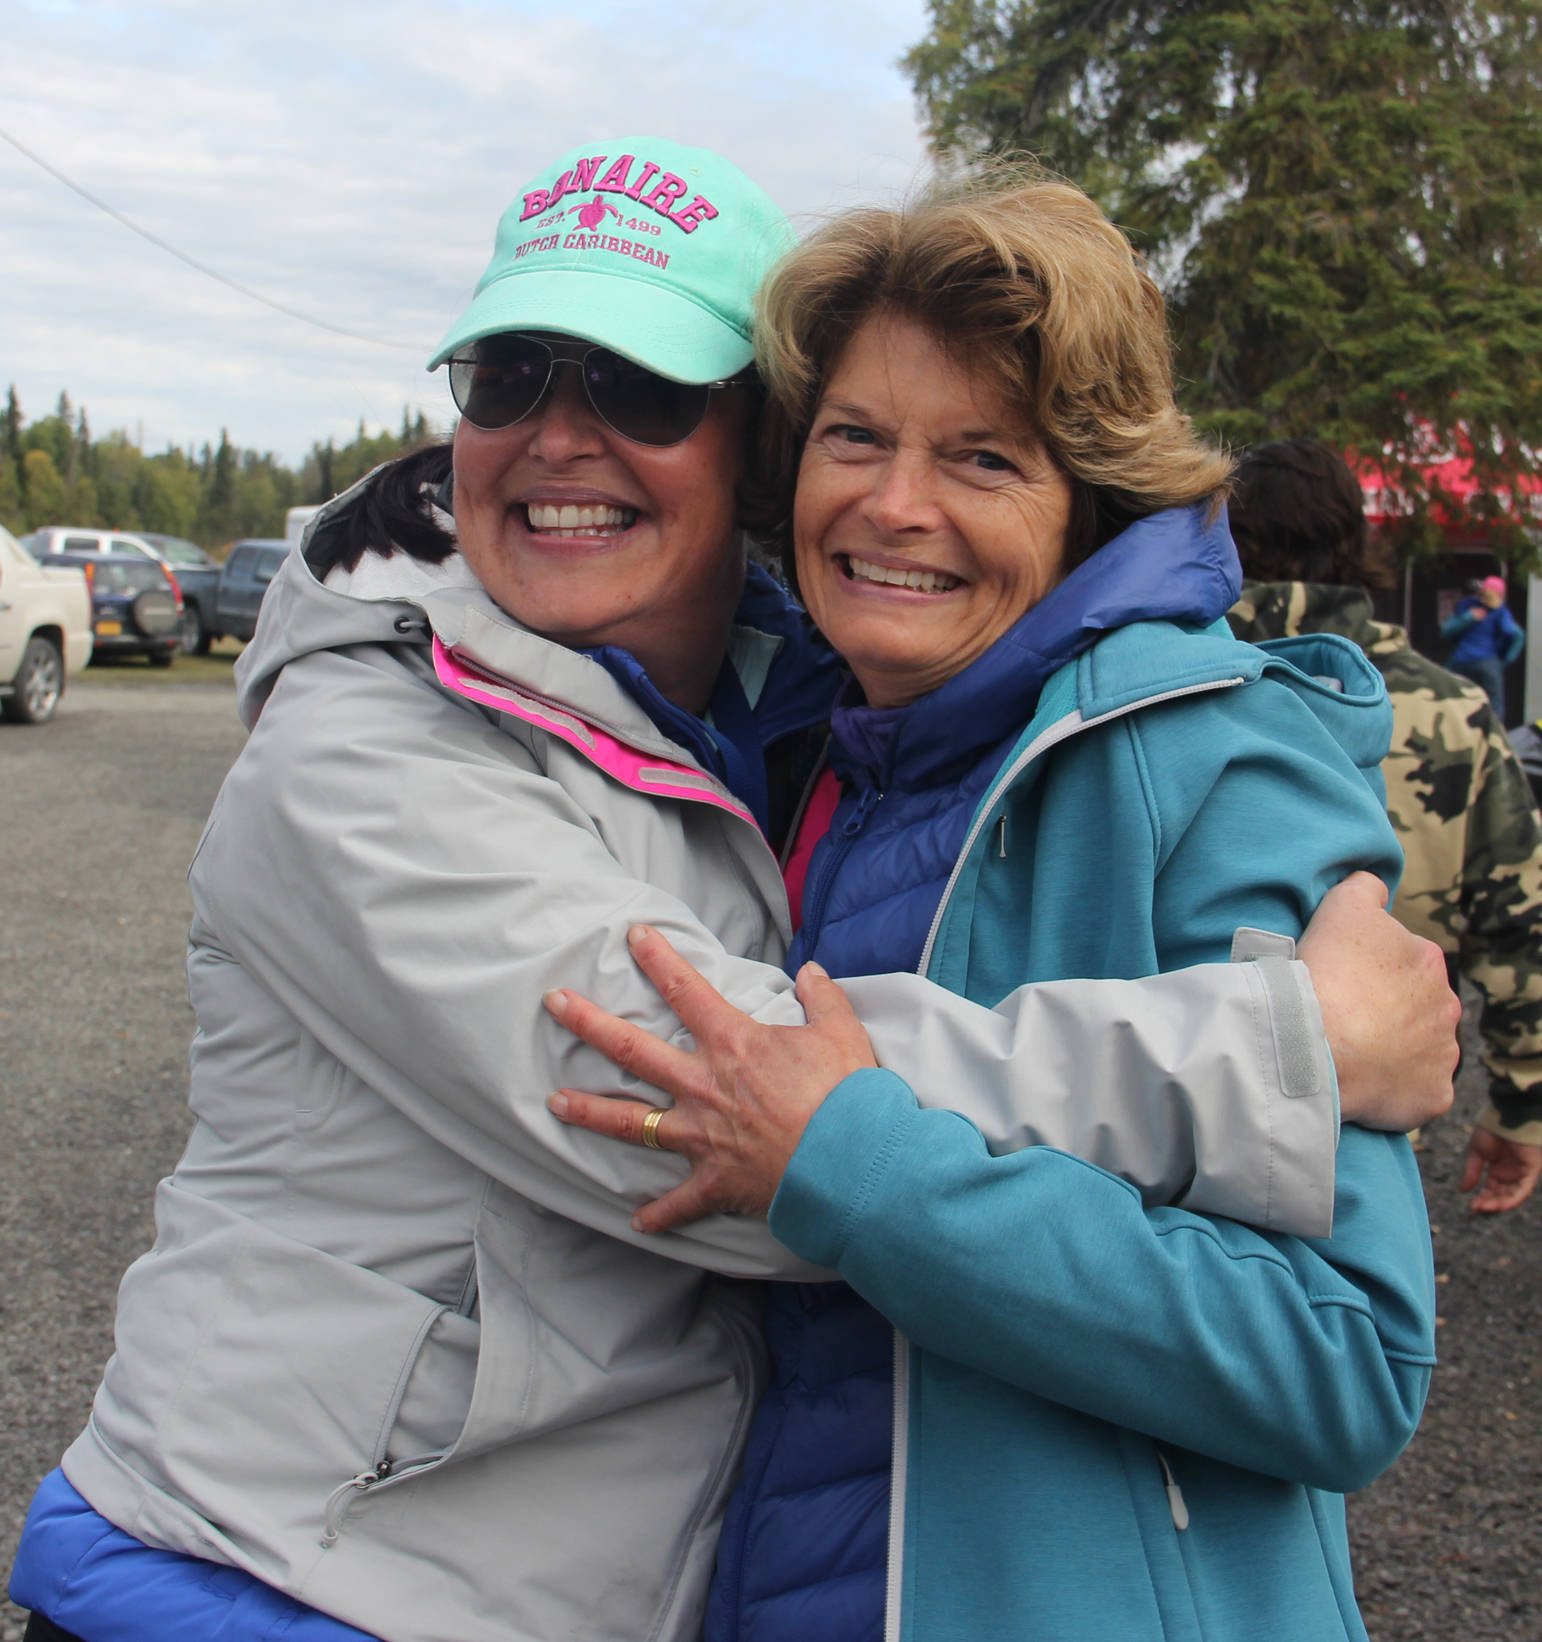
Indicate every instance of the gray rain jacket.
{"type": "Point", "coordinates": [396, 1349]}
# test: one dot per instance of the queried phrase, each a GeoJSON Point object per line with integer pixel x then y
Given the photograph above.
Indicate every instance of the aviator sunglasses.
{"type": "Point", "coordinates": [499, 380]}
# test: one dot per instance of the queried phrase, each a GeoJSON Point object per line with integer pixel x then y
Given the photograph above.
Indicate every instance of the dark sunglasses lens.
{"type": "Point", "coordinates": [642, 407]}
{"type": "Point", "coordinates": [499, 380]}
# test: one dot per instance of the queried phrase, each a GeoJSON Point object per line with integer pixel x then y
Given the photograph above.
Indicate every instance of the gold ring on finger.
{"type": "Point", "coordinates": [650, 1129]}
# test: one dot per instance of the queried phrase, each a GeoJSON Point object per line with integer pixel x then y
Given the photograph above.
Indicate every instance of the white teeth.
{"type": "Point", "coordinates": [570, 520]}
{"type": "Point", "coordinates": [923, 581]}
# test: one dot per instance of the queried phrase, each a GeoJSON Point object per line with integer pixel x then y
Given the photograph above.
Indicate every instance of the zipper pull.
{"type": "Point", "coordinates": [1002, 825]}
{"type": "Point", "coordinates": [1174, 1493]}
{"type": "Point", "coordinates": [334, 1511]}
{"type": "Point", "coordinates": [857, 820]}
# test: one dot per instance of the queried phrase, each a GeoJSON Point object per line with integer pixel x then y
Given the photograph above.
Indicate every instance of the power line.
{"type": "Point", "coordinates": [193, 262]}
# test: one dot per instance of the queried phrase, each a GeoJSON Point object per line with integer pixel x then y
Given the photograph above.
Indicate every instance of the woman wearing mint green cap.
{"type": "Point", "coordinates": [398, 1365]}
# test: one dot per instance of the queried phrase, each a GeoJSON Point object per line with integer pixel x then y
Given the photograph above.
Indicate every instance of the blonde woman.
{"type": "Point", "coordinates": [1042, 1408]}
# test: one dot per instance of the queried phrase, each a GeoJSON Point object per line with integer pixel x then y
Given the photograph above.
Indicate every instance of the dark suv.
{"type": "Point", "coordinates": [136, 608]}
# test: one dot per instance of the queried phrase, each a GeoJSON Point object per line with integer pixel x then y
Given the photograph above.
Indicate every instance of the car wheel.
{"type": "Point", "coordinates": [39, 684]}
{"type": "Point", "coordinates": [163, 658]}
{"type": "Point", "coordinates": [191, 639]}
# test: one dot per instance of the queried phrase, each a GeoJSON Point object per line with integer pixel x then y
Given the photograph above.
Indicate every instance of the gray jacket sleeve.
{"type": "Point", "coordinates": [408, 882]}
{"type": "Point", "coordinates": [1211, 1088]}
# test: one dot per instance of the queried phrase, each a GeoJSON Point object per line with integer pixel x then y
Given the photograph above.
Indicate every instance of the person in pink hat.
{"type": "Point", "coordinates": [1484, 638]}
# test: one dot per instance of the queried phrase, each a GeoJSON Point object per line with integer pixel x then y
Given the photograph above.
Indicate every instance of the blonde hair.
{"type": "Point", "coordinates": [1025, 279]}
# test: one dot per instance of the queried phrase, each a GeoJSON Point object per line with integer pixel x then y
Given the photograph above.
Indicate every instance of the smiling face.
{"type": "Point", "coordinates": [927, 521]}
{"type": "Point", "coordinates": [588, 538]}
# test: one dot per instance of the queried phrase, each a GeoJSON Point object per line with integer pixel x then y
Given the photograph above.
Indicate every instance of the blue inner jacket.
{"type": "Point", "coordinates": [804, 1546]}
{"type": "Point", "coordinates": [732, 740]}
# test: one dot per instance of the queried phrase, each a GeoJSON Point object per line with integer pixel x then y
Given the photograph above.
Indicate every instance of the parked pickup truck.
{"type": "Point", "coordinates": [199, 578]}
{"type": "Point", "coordinates": [45, 632]}
{"type": "Point", "coordinates": [251, 566]}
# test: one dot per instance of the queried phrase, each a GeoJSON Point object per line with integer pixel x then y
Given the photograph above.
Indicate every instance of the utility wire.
{"type": "Point", "coordinates": [192, 262]}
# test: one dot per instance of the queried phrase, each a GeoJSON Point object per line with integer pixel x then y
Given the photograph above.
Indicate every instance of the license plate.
{"type": "Point", "coordinates": [109, 629]}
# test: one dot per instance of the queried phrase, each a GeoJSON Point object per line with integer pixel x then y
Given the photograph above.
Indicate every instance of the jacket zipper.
{"type": "Point", "coordinates": [384, 1467]}
{"type": "Point", "coordinates": [1062, 730]}
{"type": "Point", "coordinates": [385, 1471]}
{"type": "Point", "coordinates": [338, 1501]}
{"type": "Point", "coordinates": [899, 1455]}
{"type": "Point", "coordinates": [1174, 1493]}
{"type": "Point", "coordinates": [851, 828]}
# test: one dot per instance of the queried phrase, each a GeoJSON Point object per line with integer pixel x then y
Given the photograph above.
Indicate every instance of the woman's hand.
{"type": "Point", "coordinates": [1389, 1012]}
{"type": "Point", "coordinates": [1507, 1170]}
{"type": "Point", "coordinates": [742, 1098]}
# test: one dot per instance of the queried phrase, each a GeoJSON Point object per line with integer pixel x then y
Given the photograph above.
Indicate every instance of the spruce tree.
{"type": "Point", "coordinates": [1343, 201]}
{"type": "Point", "coordinates": [11, 421]}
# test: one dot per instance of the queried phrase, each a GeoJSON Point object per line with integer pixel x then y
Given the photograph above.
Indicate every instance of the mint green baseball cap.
{"type": "Point", "coordinates": [639, 245]}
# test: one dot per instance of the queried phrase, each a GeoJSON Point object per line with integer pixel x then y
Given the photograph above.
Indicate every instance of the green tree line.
{"type": "Point", "coordinates": [52, 472]}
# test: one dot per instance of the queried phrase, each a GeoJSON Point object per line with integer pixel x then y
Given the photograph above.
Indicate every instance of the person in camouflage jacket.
{"type": "Point", "coordinates": [1456, 792]}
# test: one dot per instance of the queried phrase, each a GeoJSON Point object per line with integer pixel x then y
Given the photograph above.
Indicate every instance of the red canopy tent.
{"type": "Point", "coordinates": [1469, 548]}
{"type": "Point", "coordinates": [1449, 474]}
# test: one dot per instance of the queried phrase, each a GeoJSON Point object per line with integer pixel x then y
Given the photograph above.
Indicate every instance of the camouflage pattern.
{"type": "Point", "coordinates": [1471, 835]}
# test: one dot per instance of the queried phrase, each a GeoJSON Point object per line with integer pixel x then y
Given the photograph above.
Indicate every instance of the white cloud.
{"type": "Point", "coordinates": [350, 160]}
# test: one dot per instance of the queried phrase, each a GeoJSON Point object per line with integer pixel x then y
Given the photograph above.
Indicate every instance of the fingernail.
{"type": "Point", "coordinates": [556, 1003]}
{"type": "Point", "coordinates": [558, 1104]}
{"type": "Point", "coordinates": [818, 969]}
{"type": "Point", "coordinates": [637, 934]}
{"type": "Point", "coordinates": [637, 1225]}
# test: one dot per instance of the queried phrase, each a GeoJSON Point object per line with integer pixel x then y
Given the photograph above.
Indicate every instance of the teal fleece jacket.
{"type": "Point", "coordinates": [1116, 1423]}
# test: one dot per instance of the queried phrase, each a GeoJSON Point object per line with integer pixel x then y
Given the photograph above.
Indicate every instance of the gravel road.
{"type": "Point", "coordinates": [99, 815]}
{"type": "Point", "coordinates": [100, 812]}
{"type": "Point", "coordinates": [1448, 1543]}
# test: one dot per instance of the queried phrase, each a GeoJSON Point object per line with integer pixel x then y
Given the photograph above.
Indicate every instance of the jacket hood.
{"type": "Point", "coordinates": [411, 603]}
{"type": "Point", "coordinates": [1178, 565]}
{"type": "Point", "coordinates": [1151, 660]}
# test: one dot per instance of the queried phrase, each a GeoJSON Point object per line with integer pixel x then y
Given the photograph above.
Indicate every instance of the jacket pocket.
{"type": "Point", "coordinates": [610, 1387]}
{"type": "Point", "coordinates": [319, 1079]}
{"type": "Point", "coordinates": [254, 1373]}
{"type": "Point", "coordinates": [1152, 1474]}
{"type": "Point", "coordinates": [574, 1326]}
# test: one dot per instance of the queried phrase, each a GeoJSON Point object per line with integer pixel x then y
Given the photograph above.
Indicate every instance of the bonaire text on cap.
{"type": "Point", "coordinates": [664, 190]}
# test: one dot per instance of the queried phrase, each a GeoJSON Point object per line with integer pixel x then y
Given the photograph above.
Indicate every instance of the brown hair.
{"type": "Point", "coordinates": [1025, 279]}
{"type": "Point", "coordinates": [1297, 515]}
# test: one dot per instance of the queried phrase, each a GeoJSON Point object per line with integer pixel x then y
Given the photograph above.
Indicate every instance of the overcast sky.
{"type": "Point", "coordinates": [349, 159]}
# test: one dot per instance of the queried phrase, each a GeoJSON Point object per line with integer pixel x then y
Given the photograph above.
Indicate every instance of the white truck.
{"type": "Point", "coordinates": [45, 632]}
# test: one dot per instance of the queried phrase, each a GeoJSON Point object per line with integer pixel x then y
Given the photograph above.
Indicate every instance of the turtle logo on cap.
{"type": "Point", "coordinates": [593, 213]}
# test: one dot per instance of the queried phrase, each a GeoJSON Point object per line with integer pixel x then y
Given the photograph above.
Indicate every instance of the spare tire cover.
{"type": "Point", "coordinates": [155, 613]}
